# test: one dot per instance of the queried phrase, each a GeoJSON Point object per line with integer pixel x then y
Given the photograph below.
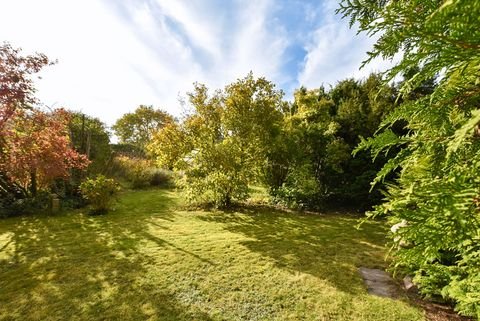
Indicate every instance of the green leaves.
{"type": "Point", "coordinates": [100, 192]}
{"type": "Point", "coordinates": [138, 127]}
{"type": "Point", "coordinates": [223, 145]}
{"type": "Point", "coordinates": [323, 127]}
{"type": "Point", "coordinates": [464, 133]}
{"type": "Point", "coordinates": [437, 188]}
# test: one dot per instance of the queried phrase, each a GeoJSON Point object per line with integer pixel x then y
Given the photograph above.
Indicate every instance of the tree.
{"type": "Point", "coordinates": [222, 146]}
{"type": "Point", "coordinates": [319, 133]}
{"type": "Point", "coordinates": [16, 86]}
{"type": "Point", "coordinates": [37, 149]}
{"type": "Point", "coordinates": [138, 127]}
{"type": "Point", "coordinates": [16, 94]}
{"type": "Point", "coordinates": [169, 145]}
{"type": "Point", "coordinates": [437, 190]}
{"type": "Point", "coordinates": [34, 146]}
{"type": "Point", "coordinates": [90, 136]}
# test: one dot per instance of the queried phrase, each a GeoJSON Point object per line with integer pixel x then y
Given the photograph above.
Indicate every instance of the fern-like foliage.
{"type": "Point", "coordinates": [437, 190]}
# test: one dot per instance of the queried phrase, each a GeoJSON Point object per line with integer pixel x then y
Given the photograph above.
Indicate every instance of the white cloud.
{"type": "Point", "coordinates": [203, 30]}
{"type": "Point", "coordinates": [114, 55]}
{"type": "Point", "coordinates": [94, 53]}
{"type": "Point", "coordinates": [336, 52]}
{"type": "Point", "coordinates": [258, 46]}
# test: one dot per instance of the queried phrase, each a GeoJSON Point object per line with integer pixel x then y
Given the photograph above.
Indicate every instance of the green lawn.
{"type": "Point", "coordinates": [150, 260]}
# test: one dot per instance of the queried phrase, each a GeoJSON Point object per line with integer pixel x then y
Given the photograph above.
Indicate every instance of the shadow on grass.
{"type": "Point", "coordinates": [80, 267]}
{"type": "Point", "coordinates": [329, 247]}
{"type": "Point", "coordinates": [162, 242]}
{"type": "Point", "coordinates": [145, 260]}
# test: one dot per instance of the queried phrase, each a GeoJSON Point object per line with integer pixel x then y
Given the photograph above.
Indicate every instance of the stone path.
{"type": "Point", "coordinates": [379, 283]}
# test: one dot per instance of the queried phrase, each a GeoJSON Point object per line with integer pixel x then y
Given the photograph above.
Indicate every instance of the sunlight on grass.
{"type": "Point", "coordinates": [149, 260]}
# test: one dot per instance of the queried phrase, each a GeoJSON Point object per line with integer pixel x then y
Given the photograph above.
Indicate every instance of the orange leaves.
{"type": "Point", "coordinates": [39, 142]}
{"type": "Point", "coordinates": [16, 85]}
{"type": "Point", "coordinates": [32, 142]}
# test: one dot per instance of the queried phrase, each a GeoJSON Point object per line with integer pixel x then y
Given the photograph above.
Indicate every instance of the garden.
{"type": "Point", "coordinates": [249, 205]}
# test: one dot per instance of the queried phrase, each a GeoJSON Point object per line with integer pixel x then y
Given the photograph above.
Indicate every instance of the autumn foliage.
{"type": "Point", "coordinates": [35, 145]}
{"type": "Point", "coordinates": [16, 86]}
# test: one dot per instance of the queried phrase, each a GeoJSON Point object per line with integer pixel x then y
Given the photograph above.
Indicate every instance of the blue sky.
{"type": "Point", "coordinates": [116, 54]}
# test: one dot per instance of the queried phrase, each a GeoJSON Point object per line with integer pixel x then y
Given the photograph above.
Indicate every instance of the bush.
{"type": "Point", "coordinates": [161, 177]}
{"type": "Point", "coordinates": [300, 189]}
{"type": "Point", "coordinates": [140, 173]}
{"type": "Point", "coordinates": [68, 191]}
{"type": "Point", "coordinates": [214, 188]}
{"type": "Point", "coordinates": [11, 206]}
{"type": "Point", "coordinates": [100, 193]}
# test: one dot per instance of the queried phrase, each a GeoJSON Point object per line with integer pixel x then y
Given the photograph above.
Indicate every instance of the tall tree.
{"type": "Point", "coordinates": [225, 141]}
{"type": "Point", "coordinates": [37, 149]}
{"type": "Point", "coordinates": [90, 136]}
{"type": "Point", "coordinates": [16, 94]}
{"type": "Point", "coordinates": [16, 85]}
{"type": "Point", "coordinates": [138, 127]}
{"type": "Point", "coordinates": [34, 146]}
{"type": "Point", "coordinates": [322, 129]}
{"type": "Point", "coordinates": [436, 194]}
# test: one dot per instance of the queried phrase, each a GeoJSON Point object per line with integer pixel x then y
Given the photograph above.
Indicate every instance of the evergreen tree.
{"type": "Point", "coordinates": [436, 194]}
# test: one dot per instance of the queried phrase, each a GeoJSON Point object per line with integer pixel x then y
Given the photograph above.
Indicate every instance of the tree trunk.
{"type": "Point", "coordinates": [33, 183]}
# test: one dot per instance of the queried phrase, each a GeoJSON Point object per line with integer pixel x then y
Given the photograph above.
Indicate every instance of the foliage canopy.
{"type": "Point", "coordinates": [437, 190]}
{"type": "Point", "coordinates": [222, 145]}
{"type": "Point", "coordinates": [137, 127]}
{"type": "Point", "coordinates": [320, 130]}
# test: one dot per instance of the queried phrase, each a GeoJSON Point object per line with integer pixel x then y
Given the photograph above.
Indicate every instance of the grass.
{"type": "Point", "coordinates": [150, 260]}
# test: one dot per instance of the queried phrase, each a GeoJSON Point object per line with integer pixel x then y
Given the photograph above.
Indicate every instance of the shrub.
{"type": "Point", "coordinates": [68, 192]}
{"type": "Point", "coordinates": [161, 177]}
{"type": "Point", "coordinates": [11, 206]}
{"type": "Point", "coordinates": [300, 189]}
{"type": "Point", "coordinates": [100, 192]}
{"type": "Point", "coordinates": [140, 173]}
{"type": "Point", "coordinates": [214, 188]}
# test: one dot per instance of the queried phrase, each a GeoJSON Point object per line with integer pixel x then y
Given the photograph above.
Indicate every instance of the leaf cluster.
{"type": "Point", "coordinates": [437, 190]}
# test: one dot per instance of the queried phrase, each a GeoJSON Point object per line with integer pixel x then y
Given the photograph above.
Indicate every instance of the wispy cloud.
{"type": "Point", "coordinates": [336, 52]}
{"type": "Point", "coordinates": [114, 55]}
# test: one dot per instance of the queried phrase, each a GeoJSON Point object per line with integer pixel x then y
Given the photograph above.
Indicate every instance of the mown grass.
{"type": "Point", "coordinates": [150, 260]}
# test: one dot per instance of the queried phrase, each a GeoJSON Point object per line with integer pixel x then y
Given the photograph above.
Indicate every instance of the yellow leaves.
{"type": "Point", "coordinates": [169, 145]}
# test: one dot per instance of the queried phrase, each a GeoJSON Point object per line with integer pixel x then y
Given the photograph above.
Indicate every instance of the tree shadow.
{"type": "Point", "coordinates": [123, 266]}
{"type": "Point", "coordinates": [163, 242]}
{"type": "Point", "coordinates": [329, 247]}
{"type": "Point", "coordinates": [87, 268]}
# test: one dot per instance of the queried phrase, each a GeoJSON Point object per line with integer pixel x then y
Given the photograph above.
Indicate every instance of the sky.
{"type": "Point", "coordinates": [113, 55]}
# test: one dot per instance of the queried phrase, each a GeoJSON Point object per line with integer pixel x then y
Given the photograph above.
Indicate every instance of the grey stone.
{"type": "Point", "coordinates": [408, 283]}
{"type": "Point", "coordinates": [379, 283]}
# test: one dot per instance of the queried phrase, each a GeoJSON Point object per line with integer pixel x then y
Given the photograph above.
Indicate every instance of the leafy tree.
{"type": "Point", "coordinates": [34, 145]}
{"type": "Point", "coordinates": [16, 86]}
{"type": "Point", "coordinates": [437, 191]}
{"type": "Point", "coordinates": [322, 128]}
{"type": "Point", "coordinates": [90, 137]}
{"type": "Point", "coordinates": [16, 93]}
{"type": "Point", "coordinates": [169, 145]}
{"type": "Point", "coordinates": [222, 146]}
{"type": "Point", "coordinates": [37, 149]}
{"type": "Point", "coordinates": [138, 127]}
